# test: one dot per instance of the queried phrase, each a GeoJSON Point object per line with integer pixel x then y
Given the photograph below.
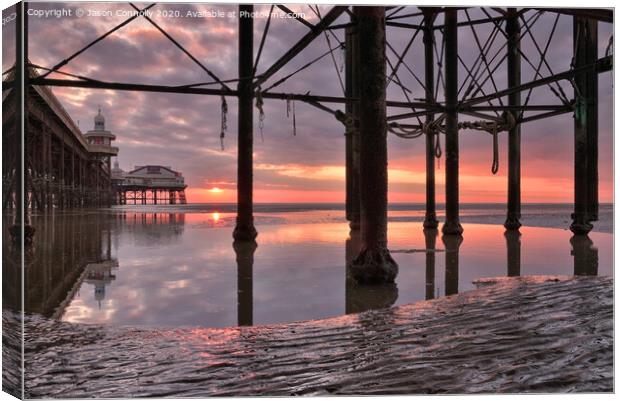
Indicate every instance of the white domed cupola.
{"type": "Point", "coordinates": [99, 121]}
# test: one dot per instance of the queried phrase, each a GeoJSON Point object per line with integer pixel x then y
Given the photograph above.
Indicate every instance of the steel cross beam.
{"type": "Point", "coordinates": [601, 65]}
{"type": "Point", "coordinates": [196, 91]}
{"type": "Point", "coordinates": [330, 17]}
{"type": "Point", "coordinates": [599, 14]}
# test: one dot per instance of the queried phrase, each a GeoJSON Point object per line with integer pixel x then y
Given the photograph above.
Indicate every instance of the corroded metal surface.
{"type": "Point", "coordinates": [536, 334]}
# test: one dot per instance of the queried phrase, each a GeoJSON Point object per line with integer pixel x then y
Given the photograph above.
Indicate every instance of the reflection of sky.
{"type": "Point", "coordinates": [298, 272]}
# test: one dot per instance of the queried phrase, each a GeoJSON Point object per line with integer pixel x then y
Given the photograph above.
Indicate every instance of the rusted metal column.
{"type": "Point", "coordinates": [110, 195]}
{"type": "Point", "coordinates": [244, 251]}
{"type": "Point", "coordinates": [452, 224]}
{"type": "Point", "coordinates": [513, 252]}
{"type": "Point", "coordinates": [18, 151]}
{"type": "Point", "coordinates": [586, 126]}
{"type": "Point", "coordinates": [352, 83]}
{"type": "Point", "coordinates": [592, 107]}
{"type": "Point", "coordinates": [430, 219]}
{"type": "Point", "coordinates": [514, 135]}
{"type": "Point", "coordinates": [430, 239]}
{"type": "Point", "coordinates": [21, 228]}
{"type": "Point", "coordinates": [452, 244]}
{"type": "Point", "coordinates": [82, 178]}
{"type": "Point", "coordinates": [62, 172]}
{"type": "Point", "coordinates": [43, 172]}
{"type": "Point", "coordinates": [374, 264]}
{"type": "Point", "coordinates": [244, 230]}
{"type": "Point", "coordinates": [73, 202]}
{"type": "Point", "coordinates": [359, 297]}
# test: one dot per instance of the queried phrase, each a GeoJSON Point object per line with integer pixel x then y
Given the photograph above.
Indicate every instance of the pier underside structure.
{"type": "Point", "coordinates": [143, 195]}
{"type": "Point", "coordinates": [489, 91]}
{"type": "Point", "coordinates": [62, 171]}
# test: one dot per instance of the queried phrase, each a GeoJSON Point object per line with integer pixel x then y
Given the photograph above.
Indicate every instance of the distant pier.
{"type": "Point", "coordinates": [145, 185]}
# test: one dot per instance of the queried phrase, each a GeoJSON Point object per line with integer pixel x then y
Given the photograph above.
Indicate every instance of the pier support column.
{"type": "Point", "coordinates": [352, 63]}
{"type": "Point", "coordinates": [514, 135]}
{"type": "Point", "coordinates": [43, 167]}
{"type": "Point", "coordinates": [374, 264]}
{"type": "Point", "coordinates": [244, 230]}
{"type": "Point", "coordinates": [73, 201]}
{"type": "Point", "coordinates": [430, 218]}
{"type": "Point", "coordinates": [586, 126]}
{"type": "Point", "coordinates": [452, 224]}
{"type": "Point", "coordinates": [62, 172]}
{"type": "Point", "coordinates": [21, 225]}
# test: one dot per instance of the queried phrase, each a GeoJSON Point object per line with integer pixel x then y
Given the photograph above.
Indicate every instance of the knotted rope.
{"type": "Point", "coordinates": [435, 127]}
{"type": "Point", "coordinates": [610, 46]}
{"type": "Point", "coordinates": [261, 112]}
{"type": "Point", "coordinates": [289, 101]}
{"type": "Point", "coordinates": [224, 119]}
{"type": "Point", "coordinates": [348, 121]}
{"type": "Point", "coordinates": [493, 128]}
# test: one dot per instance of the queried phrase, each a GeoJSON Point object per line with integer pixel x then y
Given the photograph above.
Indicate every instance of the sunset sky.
{"type": "Point", "coordinates": [182, 131]}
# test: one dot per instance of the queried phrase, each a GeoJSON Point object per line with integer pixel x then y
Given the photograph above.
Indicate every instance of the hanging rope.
{"type": "Point", "coordinates": [261, 112]}
{"type": "Point", "coordinates": [438, 151]}
{"type": "Point", "coordinates": [495, 164]}
{"type": "Point", "coordinates": [610, 46]}
{"type": "Point", "coordinates": [290, 109]}
{"type": "Point", "coordinates": [224, 119]}
{"type": "Point", "coordinates": [492, 127]}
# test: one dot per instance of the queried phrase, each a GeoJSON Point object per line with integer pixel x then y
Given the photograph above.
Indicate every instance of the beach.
{"type": "Point", "coordinates": [536, 335]}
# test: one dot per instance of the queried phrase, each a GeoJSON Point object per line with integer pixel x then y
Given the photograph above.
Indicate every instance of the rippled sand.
{"type": "Point", "coordinates": [521, 334]}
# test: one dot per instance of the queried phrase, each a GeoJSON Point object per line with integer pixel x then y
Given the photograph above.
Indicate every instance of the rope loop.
{"type": "Point", "coordinates": [224, 121]}
{"type": "Point", "coordinates": [495, 164]}
{"type": "Point", "coordinates": [290, 109]}
{"type": "Point", "coordinates": [438, 151]}
{"type": "Point", "coordinates": [261, 112]}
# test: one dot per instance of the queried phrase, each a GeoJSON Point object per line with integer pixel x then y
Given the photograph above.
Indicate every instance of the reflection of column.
{"type": "Point", "coordinates": [109, 244]}
{"type": "Point", "coordinates": [585, 256]}
{"type": "Point", "coordinates": [363, 297]}
{"type": "Point", "coordinates": [513, 246]}
{"type": "Point", "coordinates": [452, 244]}
{"type": "Point", "coordinates": [430, 238]}
{"type": "Point", "coordinates": [244, 250]}
{"type": "Point", "coordinates": [352, 248]}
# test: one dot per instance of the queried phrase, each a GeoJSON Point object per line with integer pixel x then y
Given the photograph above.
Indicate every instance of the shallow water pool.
{"type": "Point", "coordinates": [181, 269]}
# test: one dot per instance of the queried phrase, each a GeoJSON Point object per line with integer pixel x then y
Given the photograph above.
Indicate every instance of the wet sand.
{"type": "Point", "coordinates": [520, 334]}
